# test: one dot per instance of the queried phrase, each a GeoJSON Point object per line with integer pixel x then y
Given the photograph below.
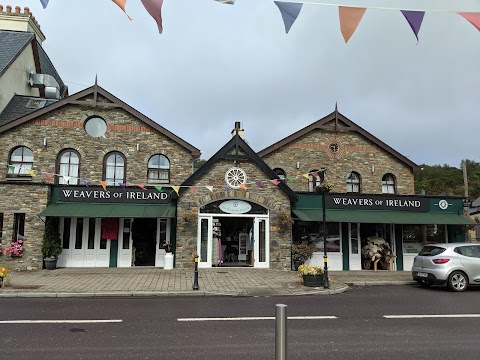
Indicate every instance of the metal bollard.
{"type": "Point", "coordinates": [195, 277]}
{"type": "Point", "coordinates": [281, 332]}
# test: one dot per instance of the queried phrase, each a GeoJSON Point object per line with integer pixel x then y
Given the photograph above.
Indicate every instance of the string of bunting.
{"type": "Point", "coordinates": [349, 15]}
{"type": "Point", "coordinates": [12, 169]}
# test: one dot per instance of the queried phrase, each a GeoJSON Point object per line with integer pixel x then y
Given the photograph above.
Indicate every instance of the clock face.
{"type": "Point", "coordinates": [234, 177]}
{"type": "Point", "coordinates": [443, 204]}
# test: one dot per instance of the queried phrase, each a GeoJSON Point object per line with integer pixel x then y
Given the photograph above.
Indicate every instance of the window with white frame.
{"type": "Point", "coordinates": [353, 182]}
{"type": "Point", "coordinates": [20, 161]}
{"type": "Point", "coordinates": [280, 173]}
{"type": "Point", "coordinates": [68, 167]}
{"type": "Point", "coordinates": [114, 168]}
{"type": "Point", "coordinates": [388, 184]}
{"type": "Point", "coordinates": [158, 169]}
{"type": "Point", "coordinates": [313, 180]}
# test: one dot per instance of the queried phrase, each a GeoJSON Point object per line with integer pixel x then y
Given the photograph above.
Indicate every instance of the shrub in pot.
{"type": "Point", "coordinates": [52, 245]}
{"type": "Point", "coordinates": [301, 252]}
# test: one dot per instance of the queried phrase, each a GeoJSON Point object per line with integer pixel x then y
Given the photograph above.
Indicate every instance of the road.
{"type": "Point", "coordinates": [362, 323]}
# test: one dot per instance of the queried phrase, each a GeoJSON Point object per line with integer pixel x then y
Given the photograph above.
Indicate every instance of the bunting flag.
{"type": "Point", "coordinates": [11, 168]}
{"type": "Point", "coordinates": [85, 181]}
{"type": "Point", "coordinates": [414, 19]}
{"type": "Point", "coordinates": [176, 188]}
{"type": "Point", "coordinates": [289, 13]}
{"type": "Point", "coordinates": [154, 8]}
{"type": "Point", "coordinates": [44, 3]}
{"type": "Point", "coordinates": [472, 18]}
{"type": "Point", "coordinates": [314, 173]}
{"type": "Point", "coordinates": [31, 172]}
{"type": "Point", "coordinates": [104, 185]}
{"type": "Point", "coordinates": [275, 181]}
{"type": "Point", "coordinates": [230, 2]}
{"type": "Point", "coordinates": [350, 17]}
{"type": "Point", "coordinates": [209, 188]}
{"type": "Point", "coordinates": [66, 178]}
{"type": "Point", "coordinates": [48, 176]}
{"type": "Point", "coordinates": [121, 5]}
{"type": "Point", "coordinates": [306, 176]}
{"type": "Point", "coordinates": [259, 184]}
{"type": "Point", "coordinates": [194, 188]}
{"type": "Point", "coordinates": [226, 187]}
{"type": "Point", "coordinates": [122, 185]}
{"type": "Point", "coordinates": [290, 179]}
{"type": "Point", "coordinates": [159, 187]}
{"type": "Point", "coordinates": [243, 186]}
{"type": "Point", "coordinates": [141, 186]}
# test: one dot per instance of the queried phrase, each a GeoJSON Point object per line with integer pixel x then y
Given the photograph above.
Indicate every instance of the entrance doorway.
{"type": "Point", "coordinates": [144, 241]}
{"type": "Point", "coordinates": [378, 242]}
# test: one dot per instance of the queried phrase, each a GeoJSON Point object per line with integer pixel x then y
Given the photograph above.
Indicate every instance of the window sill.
{"type": "Point", "coordinates": [19, 178]}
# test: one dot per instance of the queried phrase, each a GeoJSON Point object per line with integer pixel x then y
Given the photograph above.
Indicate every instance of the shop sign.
{"type": "Point", "coordinates": [235, 207]}
{"type": "Point", "coordinates": [376, 202]}
{"type": "Point", "coordinates": [113, 195]}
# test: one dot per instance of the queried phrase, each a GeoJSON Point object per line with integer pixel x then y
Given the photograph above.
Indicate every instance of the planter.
{"type": "Point", "coordinates": [1, 281]}
{"type": "Point", "coordinates": [50, 264]}
{"type": "Point", "coordinates": [313, 280]}
{"type": "Point", "coordinates": [168, 261]}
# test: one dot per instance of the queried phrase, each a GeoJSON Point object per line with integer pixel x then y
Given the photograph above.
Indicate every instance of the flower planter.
{"type": "Point", "coordinates": [313, 280]}
{"type": "Point", "coordinates": [50, 264]}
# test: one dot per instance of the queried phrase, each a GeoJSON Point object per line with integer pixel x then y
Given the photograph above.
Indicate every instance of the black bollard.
{"type": "Point", "coordinates": [195, 277]}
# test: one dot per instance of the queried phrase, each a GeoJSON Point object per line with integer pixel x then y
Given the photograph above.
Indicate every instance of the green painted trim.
{"type": "Point", "coordinates": [346, 247]}
{"type": "Point", "coordinates": [113, 253]}
{"type": "Point", "coordinates": [399, 246]}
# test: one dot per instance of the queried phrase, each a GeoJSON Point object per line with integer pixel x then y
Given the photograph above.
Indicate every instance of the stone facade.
{"type": "Point", "coordinates": [270, 197]}
{"type": "Point", "coordinates": [355, 153]}
{"type": "Point", "coordinates": [61, 129]}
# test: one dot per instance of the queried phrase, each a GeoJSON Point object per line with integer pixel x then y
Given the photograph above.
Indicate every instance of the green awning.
{"type": "Point", "coordinates": [381, 217]}
{"type": "Point", "coordinates": [90, 210]}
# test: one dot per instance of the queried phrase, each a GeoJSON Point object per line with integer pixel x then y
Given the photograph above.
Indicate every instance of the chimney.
{"type": "Point", "coordinates": [238, 129]}
{"type": "Point", "coordinates": [17, 20]}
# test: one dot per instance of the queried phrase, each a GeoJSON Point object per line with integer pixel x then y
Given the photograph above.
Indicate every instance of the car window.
{"type": "Point", "coordinates": [431, 251]}
{"type": "Point", "coordinates": [470, 251]}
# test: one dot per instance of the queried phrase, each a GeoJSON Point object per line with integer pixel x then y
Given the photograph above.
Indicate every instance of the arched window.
{"type": "Point", "coordinates": [68, 164]}
{"type": "Point", "coordinates": [158, 169]}
{"type": "Point", "coordinates": [353, 182]}
{"type": "Point", "coordinates": [313, 180]}
{"type": "Point", "coordinates": [280, 173]}
{"type": "Point", "coordinates": [20, 160]}
{"type": "Point", "coordinates": [114, 168]}
{"type": "Point", "coordinates": [388, 184]}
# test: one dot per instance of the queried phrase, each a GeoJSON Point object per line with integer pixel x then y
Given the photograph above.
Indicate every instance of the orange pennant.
{"type": "Point", "coordinates": [104, 185]}
{"type": "Point", "coordinates": [472, 18]}
{"type": "Point", "coordinates": [121, 5]}
{"type": "Point", "coordinates": [243, 186]}
{"type": "Point", "coordinates": [350, 17]}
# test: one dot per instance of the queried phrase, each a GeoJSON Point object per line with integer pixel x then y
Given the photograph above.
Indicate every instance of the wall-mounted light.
{"type": "Point", "coordinates": [373, 168]}
{"type": "Point", "coordinates": [298, 165]}
{"type": "Point", "coordinates": [45, 142]}
{"type": "Point", "coordinates": [138, 147]}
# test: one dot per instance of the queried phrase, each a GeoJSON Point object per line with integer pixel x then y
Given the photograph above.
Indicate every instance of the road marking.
{"type": "Point", "coordinates": [253, 318]}
{"type": "Point", "coordinates": [59, 321]}
{"type": "Point", "coordinates": [431, 316]}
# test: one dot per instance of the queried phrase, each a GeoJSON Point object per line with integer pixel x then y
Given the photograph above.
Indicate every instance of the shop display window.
{"type": "Point", "coordinates": [415, 237]}
{"type": "Point", "coordinates": [313, 233]}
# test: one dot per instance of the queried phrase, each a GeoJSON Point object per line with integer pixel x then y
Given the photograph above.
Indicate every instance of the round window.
{"type": "Point", "coordinates": [95, 127]}
{"type": "Point", "coordinates": [234, 177]}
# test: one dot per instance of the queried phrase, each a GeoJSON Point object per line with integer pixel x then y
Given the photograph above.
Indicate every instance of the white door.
{"type": "Point", "coordinates": [125, 254]}
{"type": "Point", "coordinates": [355, 258]}
{"type": "Point", "coordinates": [64, 231]}
{"type": "Point", "coordinates": [102, 246]}
{"type": "Point", "coordinates": [79, 227]}
{"type": "Point", "coordinates": [204, 241]}
{"type": "Point", "coordinates": [92, 231]}
{"type": "Point", "coordinates": [162, 237]}
{"type": "Point", "coordinates": [261, 243]}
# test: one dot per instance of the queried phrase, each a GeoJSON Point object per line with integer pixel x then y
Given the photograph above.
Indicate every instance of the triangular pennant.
{"type": "Point", "coordinates": [289, 13]}
{"type": "Point", "coordinates": [350, 17]}
{"type": "Point", "coordinates": [44, 3]}
{"type": "Point", "coordinates": [104, 185]}
{"type": "Point", "coordinates": [259, 184]}
{"type": "Point", "coordinates": [31, 172]}
{"type": "Point", "coordinates": [85, 181]}
{"type": "Point", "coordinates": [291, 179]}
{"type": "Point", "coordinates": [226, 187]}
{"type": "Point", "coordinates": [275, 181]}
{"type": "Point", "coordinates": [231, 2]}
{"type": "Point", "coordinates": [243, 186]}
{"type": "Point", "coordinates": [48, 176]}
{"type": "Point", "coordinates": [121, 5]}
{"type": "Point", "coordinates": [472, 18]}
{"type": "Point", "coordinates": [11, 169]}
{"type": "Point", "coordinates": [176, 188]}
{"type": "Point", "coordinates": [209, 188]}
{"type": "Point", "coordinates": [154, 8]}
{"type": "Point", "coordinates": [122, 185]}
{"type": "Point", "coordinates": [159, 187]}
{"type": "Point", "coordinates": [194, 188]}
{"type": "Point", "coordinates": [66, 178]}
{"type": "Point", "coordinates": [306, 176]}
{"type": "Point", "coordinates": [141, 186]}
{"type": "Point", "coordinates": [414, 19]}
{"type": "Point", "coordinates": [314, 173]}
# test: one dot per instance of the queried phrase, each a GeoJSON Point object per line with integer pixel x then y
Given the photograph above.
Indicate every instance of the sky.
{"type": "Point", "coordinates": [216, 64]}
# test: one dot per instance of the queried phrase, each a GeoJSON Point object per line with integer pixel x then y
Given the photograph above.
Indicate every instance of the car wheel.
{"type": "Point", "coordinates": [457, 281]}
{"type": "Point", "coordinates": [424, 283]}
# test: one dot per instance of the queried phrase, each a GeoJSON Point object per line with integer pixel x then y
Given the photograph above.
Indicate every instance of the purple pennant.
{"type": "Point", "coordinates": [289, 13]}
{"type": "Point", "coordinates": [414, 19]}
{"type": "Point", "coordinates": [85, 182]}
{"type": "Point", "coordinates": [259, 184]}
{"type": "Point", "coordinates": [226, 187]}
{"type": "Point", "coordinates": [44, 3]}
{"type": "Point", "coordinates": [122, 185]}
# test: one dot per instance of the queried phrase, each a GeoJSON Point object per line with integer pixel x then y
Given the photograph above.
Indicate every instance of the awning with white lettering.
{"type": "Point", "coordinates": [382, 217]}
{"type": "Point", "coordinates": [91, 210]}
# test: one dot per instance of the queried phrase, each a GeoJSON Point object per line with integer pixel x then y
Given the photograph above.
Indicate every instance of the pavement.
{"type": "Point", "coordinates": [150, 281]}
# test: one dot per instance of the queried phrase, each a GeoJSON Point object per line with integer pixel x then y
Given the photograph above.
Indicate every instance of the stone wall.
{"type": "Point", "coordinates": [271, 197]}
{"type": "Point", "coordinates": [355, 153]}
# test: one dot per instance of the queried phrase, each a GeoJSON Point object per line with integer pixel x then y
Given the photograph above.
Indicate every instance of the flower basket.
{"type": "Point", "coordinates": [312, 280]}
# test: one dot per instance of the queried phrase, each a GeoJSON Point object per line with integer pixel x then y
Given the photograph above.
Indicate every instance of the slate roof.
{"type": "Point", "coordinates": [11, 45]}
{"type": "Point", "coordinates": [17, 107]}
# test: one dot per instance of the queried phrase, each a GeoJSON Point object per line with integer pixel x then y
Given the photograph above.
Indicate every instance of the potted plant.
{"type": "Point", "coordinates": [51, 246]}
{"type": "Point", "coordinates": [311, 275]}
{"type": "Point", "coordinates": [168, 256]}
{"type": "Point", "coordinates": [301, 252]}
